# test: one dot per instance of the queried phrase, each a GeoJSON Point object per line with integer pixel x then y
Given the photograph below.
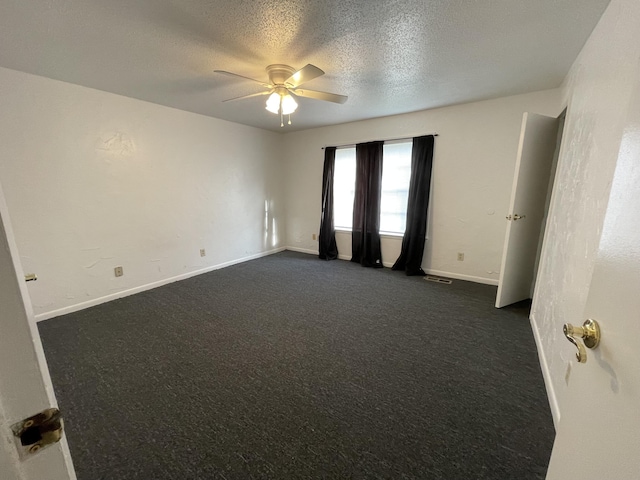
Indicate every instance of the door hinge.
{"type": "Point", "coordinates": [38, 431]}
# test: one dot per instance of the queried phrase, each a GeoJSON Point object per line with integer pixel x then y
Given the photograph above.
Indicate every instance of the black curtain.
{"type": "Point", "coordinates": [410, 259]}
{"type": "Point", "coordinates": [328, 250]}
{"type": "Point", "coordinates": [365, 240]}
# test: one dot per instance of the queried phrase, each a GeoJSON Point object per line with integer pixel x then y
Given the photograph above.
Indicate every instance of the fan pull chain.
{"type": "Point", "coordinates": [289, 119]}
{"type": "Point", "coordinates": [281, 122]}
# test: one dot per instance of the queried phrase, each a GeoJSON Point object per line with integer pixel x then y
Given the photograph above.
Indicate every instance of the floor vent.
{"type": "Point", "coordinates": [432, 278]}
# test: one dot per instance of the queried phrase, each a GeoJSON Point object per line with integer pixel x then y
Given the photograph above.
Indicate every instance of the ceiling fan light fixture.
{"type": "Point", "coordinates": [289, 105]}
{"type": "Point", "coordinates": [273, 103]}
{"type": "Point", "coordinates": [279, 102]}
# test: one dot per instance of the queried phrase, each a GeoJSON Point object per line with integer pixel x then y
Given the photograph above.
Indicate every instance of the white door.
{"type": "Point", "coordinates": [25, 386]}
{"type": "Point", "coordinates": [536, 147]}
{"type": "Point", "coordinates": [598, 436]}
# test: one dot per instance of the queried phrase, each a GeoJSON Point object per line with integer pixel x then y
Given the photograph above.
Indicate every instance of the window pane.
{"type": "Point", "coordinates": [396, 174]}
{"type": "Point", "coordinates": [344, 185]}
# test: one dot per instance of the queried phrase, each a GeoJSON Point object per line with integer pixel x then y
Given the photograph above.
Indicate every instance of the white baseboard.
{"type": "Point", "coordinates": [125, 293]}
{"type": "Point", "coordinates": [440, 273]}
{"type": "Point", "coordinates": [546, 374]}
{"type": "Point", "coordinates": [460, 276]}
{"type": "Point", "coordinates": [302, 250]}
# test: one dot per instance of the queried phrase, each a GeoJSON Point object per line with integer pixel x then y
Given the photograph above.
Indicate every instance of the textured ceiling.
{"type": "Point", "coordinates": [388, 56]}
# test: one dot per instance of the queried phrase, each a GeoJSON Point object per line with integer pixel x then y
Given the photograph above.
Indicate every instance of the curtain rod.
{"type": "Point", "coordinates": [383, 140]}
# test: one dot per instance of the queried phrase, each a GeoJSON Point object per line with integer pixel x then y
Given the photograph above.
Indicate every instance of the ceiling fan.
{"type": "Point", "coordinates": [284, 84]}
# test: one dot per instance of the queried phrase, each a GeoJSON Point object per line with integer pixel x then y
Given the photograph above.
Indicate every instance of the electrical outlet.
{"type": "Point", "coordinates": [460, 257]}
{"type": "Point", "coordinates": [314, 236]}
{"type": "Point", "coordinates": [118, 271]}
{"type": "Point", "coordinates": [202, 252]}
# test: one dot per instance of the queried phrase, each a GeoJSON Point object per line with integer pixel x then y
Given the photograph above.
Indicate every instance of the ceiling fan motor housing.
{"type": "Point", "coordinates": [278, 73]}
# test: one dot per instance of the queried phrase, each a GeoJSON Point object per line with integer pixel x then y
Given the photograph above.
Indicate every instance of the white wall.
{"type": "Point", "coordinates": [598, 89]}
{"type": "Point", "coordinates": [473, 166]}
{"type": "Point", "coordinates": [95, 180]}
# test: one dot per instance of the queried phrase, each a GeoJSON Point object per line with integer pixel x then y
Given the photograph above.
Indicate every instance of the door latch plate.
{"type": "Point", "coordinates": [38, 432]}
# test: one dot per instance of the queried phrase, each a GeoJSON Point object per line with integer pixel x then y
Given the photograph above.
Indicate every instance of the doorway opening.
{"type": "Point", "coordinates": [534, 177]}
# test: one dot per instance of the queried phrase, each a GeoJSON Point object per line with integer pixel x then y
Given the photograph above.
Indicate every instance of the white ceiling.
{"type": "Point", "coordinates": [388, 56]}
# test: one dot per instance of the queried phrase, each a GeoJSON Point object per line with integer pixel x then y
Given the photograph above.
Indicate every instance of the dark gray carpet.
{"type": "Point", "coordinates": [290, 367]}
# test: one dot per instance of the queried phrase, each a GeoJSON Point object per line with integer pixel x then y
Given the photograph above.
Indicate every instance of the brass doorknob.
{"type": "Point", "coordinates": [589, 332]}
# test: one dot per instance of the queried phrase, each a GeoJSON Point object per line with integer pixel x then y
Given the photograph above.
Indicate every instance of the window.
{"type": "Point", "coordinates": [396, 173]}
{"type": "Point", "coordinates": [344, 188]}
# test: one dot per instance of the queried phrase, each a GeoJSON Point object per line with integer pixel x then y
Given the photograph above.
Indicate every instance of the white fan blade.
{"type": "Point", "coordinates": [247, 96]}
{"type": "Point", "coordinates": [327, 97]}
{"type": "Point", "coordinates": [306, 73]}
{"type": "Point", "coordinates": [242, 76]}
